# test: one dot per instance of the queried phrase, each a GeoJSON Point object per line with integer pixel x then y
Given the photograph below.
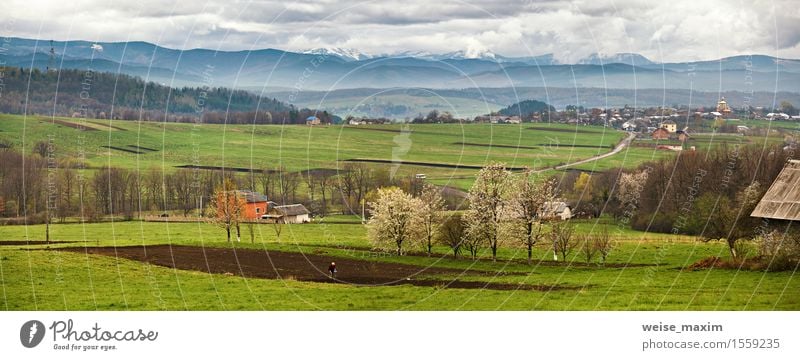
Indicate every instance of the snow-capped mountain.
{"type": "Point", "coordinates": [622, 58]}
{"type": "Point", "coordinates": [469, 54]}
{"type": "Point", "coordinates": [342, 53]}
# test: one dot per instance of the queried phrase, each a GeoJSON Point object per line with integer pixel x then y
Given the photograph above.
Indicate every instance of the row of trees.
{"type": "Point", "coordinates": [504, 209]}
{"type": "Point", "coordinates": [108, 95]}
{"type": "Point", "coordinates": [37, 184]}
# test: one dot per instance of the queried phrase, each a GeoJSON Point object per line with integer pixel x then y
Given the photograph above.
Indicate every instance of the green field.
{"type": "Point", "coordinates": [298, 147]}
{"type": "Point", "coordinates": [655, 278]}
{"type": "Point", "coordinates": [644, 272]}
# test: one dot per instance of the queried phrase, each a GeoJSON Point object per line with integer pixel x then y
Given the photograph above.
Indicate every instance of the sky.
{"type": "Point", "coordinates": [665, 31]}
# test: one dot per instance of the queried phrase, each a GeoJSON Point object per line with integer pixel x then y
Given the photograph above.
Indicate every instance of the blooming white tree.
{"type": "Point", "coordinates": [396, 220]}
{"type": "Point", "coordinates": [488, 205]}
{"type": "Point", "coordinates": [432, 210]}
{"type": "Point", "coordinates": [629, 188]}
{"type": "Point", "coordinates": [529, 197]}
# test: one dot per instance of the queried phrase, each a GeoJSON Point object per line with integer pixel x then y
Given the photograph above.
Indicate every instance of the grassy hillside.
{"type": "Point", "coordinates": [445, 148]}
{"type": "Point", "coordinates": [653, 277]}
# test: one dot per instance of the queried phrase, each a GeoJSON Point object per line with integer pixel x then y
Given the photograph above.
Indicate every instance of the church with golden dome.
{"type": "Point", "coordinates": [723, 108]}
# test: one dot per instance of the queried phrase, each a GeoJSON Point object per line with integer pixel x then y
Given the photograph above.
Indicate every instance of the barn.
{"type": "Point", "coordinates": [289, 214]}
{"type": "Point", "coordinates": [557, 210]}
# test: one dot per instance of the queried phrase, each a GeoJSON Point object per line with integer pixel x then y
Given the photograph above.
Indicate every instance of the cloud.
{"type": "Point", "coordinates": [675, 30]}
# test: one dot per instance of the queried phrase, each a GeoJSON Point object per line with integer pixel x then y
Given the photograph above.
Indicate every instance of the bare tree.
{"type": "Point", "coordinates": [432, 212]}
{"type": "Point", "coordinates": [488, 199]}
{"type": "Point", "coordinates": [251, 229]}
{"type": "Point", "coordinates": [602, 243]}
{"type": "Point", "coordinates": [395, 219]}
{"type": "Point", "coordinates": [587, 247]}
{"type": "Point", "coordinates": [266, 178]}
{"type": "Point", "coordinates": [561, 233]}
{"type": "Point", "coordinates": [325, 181]}
{"type": "Point", "coordinates": [288, 181]}
{"type": "Point", "coordinates": [180, 184]}
{"type": "Point", "coordinates": [452, 233]}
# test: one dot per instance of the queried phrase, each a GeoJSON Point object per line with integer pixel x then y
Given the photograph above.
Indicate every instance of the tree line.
{"type": "Point", "coordinates": [82, 93]}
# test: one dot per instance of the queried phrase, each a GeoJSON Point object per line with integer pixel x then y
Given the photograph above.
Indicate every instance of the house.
{"type": "Point", "coordinates": [670, 125]}
{"type": "Point", "coordinates": [742, 128]}
{"type": "Point", "coordinates": [256, 204]}
{"type": "Point", "coordinates": [289, 214]}
{"type": "Point", "coordinates": [629, 126]}
{"type": "Point", "coordinates": [312, 120]}
{"type": "Point", "coordinates": [781, 202]}
{"type": "Point", "coordinates": [557, 210]}
{"type": "Point", "coordinates": [660, 134]}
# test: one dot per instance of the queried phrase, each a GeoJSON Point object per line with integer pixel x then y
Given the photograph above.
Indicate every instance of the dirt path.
{"type": "Point", "coordinates": [617, 149]}
{"type": "Point", "coordinates": [300, 266]}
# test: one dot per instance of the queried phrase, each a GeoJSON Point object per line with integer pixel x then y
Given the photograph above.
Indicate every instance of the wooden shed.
{"type": "Point", "coordinates": [782, 200]}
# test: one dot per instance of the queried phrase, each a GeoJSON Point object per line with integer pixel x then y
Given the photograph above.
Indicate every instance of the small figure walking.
{"type": "Point", "coordinates": [332, 269]}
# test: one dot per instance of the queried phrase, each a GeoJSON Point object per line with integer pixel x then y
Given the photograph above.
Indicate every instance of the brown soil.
{"type": "Point", "coordinates": [300, 266]}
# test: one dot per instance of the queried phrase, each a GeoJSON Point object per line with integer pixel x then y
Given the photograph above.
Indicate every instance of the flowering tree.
{"type": "Point", "coordinates": [432, 210]}
{"type": "Point", "coordinates": [488, 202]}
{"type": "Point", "coordinates": [227, 207]}
{"type": "Point", "coordinates": [395, 220]}
{"type": "Point", "coordinates": [629, 189]}
{"type": "Point", "coordinates": [527, 206]}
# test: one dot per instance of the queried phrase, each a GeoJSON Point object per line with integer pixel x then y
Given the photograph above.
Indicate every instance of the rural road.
{"type": "Point", "coordinates": [616, 150]}
{"type": "Point", "coordinates": [625, 142]}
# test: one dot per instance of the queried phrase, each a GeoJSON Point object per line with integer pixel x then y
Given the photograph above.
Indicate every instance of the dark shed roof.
{"type": "Point", "coordinates": [782, 200]}
{"type": "Point", "coordinates": [252, 196]}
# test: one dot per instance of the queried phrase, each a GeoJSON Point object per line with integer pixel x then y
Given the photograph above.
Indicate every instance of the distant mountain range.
{"type": "Point", "coordinates": [272, 70]}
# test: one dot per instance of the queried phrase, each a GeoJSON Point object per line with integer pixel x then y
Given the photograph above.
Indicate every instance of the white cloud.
{"type": "Point", "coordinates": [674, 30]}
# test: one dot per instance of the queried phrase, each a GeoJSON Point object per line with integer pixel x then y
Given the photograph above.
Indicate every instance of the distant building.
{"type": "Point", "coordinates": [742, 128]}
{"type": "Point", "coordinates": [256, 204]}
{"type": "Point", "coordinates": [293, 214]}
{"type": "Point", "coordinates": [669, 125]}
{"type": "Point", "coordinates": [557, 210]}
{"type": "Point", "coordinates": [660, 134]}
{"type": "Point", "coordinates": [723, 108]}
{"type": "Point", "coordinates": [683, 135]}
{"type": "Point", "coordinates": [312, 120]}
{"type": "Point", "coordinates": [629, 126]}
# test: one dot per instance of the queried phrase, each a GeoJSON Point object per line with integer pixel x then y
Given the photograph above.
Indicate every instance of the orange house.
{"type": "Point", "coordinates": [256, 204]}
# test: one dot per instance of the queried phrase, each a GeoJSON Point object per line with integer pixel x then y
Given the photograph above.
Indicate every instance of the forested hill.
{"type": "Point", "coordinates": [525, 108]}
{"type": "Point", "coordinates": [94, 94]}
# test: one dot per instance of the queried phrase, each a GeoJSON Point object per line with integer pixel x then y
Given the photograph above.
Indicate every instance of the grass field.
{"type": "Point", "coordinates": [644, 272]}
{"type": "Point", "coordinates": [146, 145]}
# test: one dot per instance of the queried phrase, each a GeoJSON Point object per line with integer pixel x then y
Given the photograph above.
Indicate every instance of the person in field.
{"type": "Point", "coordinates": [332, 269]}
